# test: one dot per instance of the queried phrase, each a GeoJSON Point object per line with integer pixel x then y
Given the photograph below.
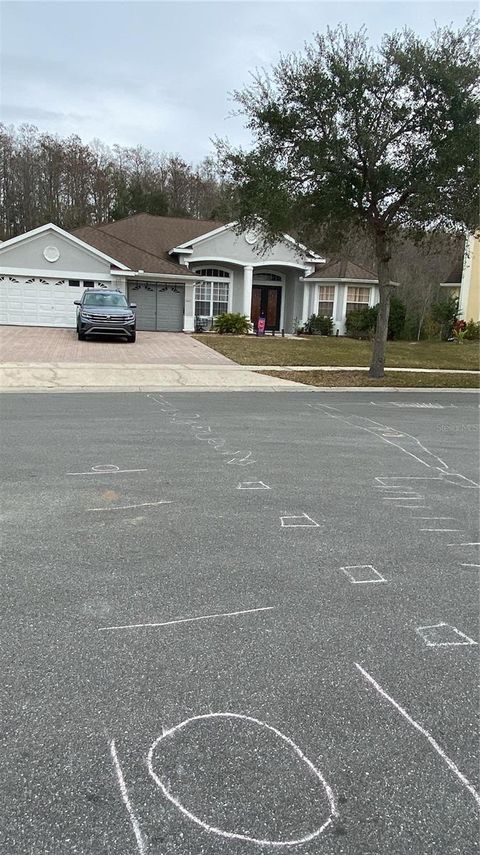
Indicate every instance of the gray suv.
{"type": "Point", "coordinates": [102, 312]}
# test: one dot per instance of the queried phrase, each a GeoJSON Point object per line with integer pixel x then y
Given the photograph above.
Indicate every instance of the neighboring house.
{"type": "Point", "coordinates": [464, 281]}
{"type": "Point", "coordinates": [177, 271]}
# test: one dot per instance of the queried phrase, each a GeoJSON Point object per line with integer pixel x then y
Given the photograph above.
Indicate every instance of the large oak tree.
{"type": "Point", "coordinates": [348, 135]}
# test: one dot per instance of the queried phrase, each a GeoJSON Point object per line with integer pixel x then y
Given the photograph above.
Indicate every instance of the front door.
{"type": "Point", "coordinates": [267, 301]}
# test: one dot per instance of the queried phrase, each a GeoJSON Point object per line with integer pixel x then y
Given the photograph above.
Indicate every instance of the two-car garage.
{"type": "Point", "coordinates": [159, 306]}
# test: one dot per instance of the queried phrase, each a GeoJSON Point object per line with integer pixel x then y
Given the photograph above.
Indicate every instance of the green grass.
{"type": "Point", "coordinates": [322, 350]}
{"type": "Point", "coordinates": [393, 378]}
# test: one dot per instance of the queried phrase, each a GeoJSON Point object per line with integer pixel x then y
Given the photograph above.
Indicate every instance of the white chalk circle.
{"type": "Point", "coordinates": [231, 835]}
{"type": "Point", "coordinates": [106, 467]}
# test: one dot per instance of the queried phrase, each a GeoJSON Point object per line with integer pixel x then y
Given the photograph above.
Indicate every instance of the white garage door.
{"type": "Point", "coordinates": [36, 302]}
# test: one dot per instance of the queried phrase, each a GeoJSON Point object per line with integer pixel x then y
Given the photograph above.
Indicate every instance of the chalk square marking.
{"type": "Point", "coordinates": [443, 635]}
{"type": "Point", "coordinates": [301, 521]}
{"type": "Point", "coordinates": [362, 574]}
{"type": "Point", "coordinates": [253, 485]}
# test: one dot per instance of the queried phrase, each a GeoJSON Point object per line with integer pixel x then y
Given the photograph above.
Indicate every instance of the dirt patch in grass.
{"type": "Point", "coordinates": [392, 378]}
{"type": "Point", "coordinates": [325, 350]}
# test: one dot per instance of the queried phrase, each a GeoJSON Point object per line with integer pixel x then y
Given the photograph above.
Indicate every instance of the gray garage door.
{"type": "Point", "coordinates": [159, 306]}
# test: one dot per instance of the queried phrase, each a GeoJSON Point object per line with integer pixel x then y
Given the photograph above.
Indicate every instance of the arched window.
{"type": "Point", "coordinates": [211, 298]}
{"type": "Point", "coordinates": [267, 277]}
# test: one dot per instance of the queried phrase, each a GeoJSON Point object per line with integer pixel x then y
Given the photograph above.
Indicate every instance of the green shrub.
{"type": "Point", "coordinates": [361, 322]}
{"type": "Point", "coordinates": [232, 323]}
{"type": "Point", "coordinates": [445, 312]}
{"type": "Point", "coordinates": [319, 325]}
{"type": "Point", "coordinates": [472, 332]}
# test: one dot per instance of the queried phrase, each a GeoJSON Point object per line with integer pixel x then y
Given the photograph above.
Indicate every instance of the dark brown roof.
{"type": "Point", "coordinates": [143, 241]}
{"type": "Point", "coordinates": [342, 268]}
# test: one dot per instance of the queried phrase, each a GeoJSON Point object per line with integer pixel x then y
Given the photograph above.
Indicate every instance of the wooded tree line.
{"type": "Point", "coordinates": [44, 178]}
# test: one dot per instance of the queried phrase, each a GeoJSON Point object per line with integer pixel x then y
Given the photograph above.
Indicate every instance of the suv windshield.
{"type": "Point", "coordinates": [105, 300]}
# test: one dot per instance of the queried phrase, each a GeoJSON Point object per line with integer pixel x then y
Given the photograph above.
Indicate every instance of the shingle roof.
{"type": "Point", "coordinates": [143, 241]}
{"type": "Point", "coordinates": [342, 268]}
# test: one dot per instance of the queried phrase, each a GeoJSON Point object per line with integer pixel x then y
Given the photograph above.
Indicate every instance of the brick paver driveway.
{"type": "Point", "coordinates": [42, 344]}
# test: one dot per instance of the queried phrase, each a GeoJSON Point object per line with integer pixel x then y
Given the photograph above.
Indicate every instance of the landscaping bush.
{"type": "Point", "coordinates": [472, 331]}
{"type": "Point", "coordinates": [232, 323]}
{"type": "Point", "coordinates": [362, 322]}
{"type": "Point", "coordinates": [319, 324]}
{"type": "Point", "coordinates": [444, 313]}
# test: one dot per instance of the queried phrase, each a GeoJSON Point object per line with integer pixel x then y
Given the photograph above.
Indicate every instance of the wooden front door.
{"type": "Point", "coordinates": [267, 301]}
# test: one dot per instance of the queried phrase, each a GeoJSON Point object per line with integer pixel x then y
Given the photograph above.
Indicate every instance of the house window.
{"type": "Point", "coordinates": [357, 298]}
{"type": "Point", "coordinates": [211, 298]}
{"type": "Point", "coordinates": [88, 283]}
{"type": "Point", "coordinates": [74, 283]}
{"type": "Point", "coordinates": [326, 297]}
{"type": "Point", "coordinates": [267, 277]}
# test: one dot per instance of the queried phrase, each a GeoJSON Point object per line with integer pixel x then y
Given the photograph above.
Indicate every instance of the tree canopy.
{"type": "Point", "coordinates": [347, 135]}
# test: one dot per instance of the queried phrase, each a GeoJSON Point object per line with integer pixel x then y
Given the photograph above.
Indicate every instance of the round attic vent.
{"type": "Point", "coordinates": [51, 253]}
{"type": "Point", "coordinates": [251, 237]}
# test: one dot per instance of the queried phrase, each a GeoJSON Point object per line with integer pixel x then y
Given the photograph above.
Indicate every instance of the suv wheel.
{"type": "Point", "coordinates": [81, 335]}
{"type": "Point", "coordinates": [132, 337]}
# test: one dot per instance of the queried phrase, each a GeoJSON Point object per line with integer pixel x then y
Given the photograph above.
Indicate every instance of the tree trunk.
{"type": "Point", "coordinates": [383, 255]}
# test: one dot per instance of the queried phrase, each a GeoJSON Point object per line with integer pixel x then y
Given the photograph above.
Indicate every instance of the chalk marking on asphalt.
{"type": "Point", "coordinates": [433, 742]}
{"type": "Point", "coordinates": [402, 498]}
{"type": "Point", "coordinates": [436, 518]}
{"type": "Point", "coordinates": [469, 565]}
{"type": "Point", "coordinates": [231, 835]}
{"type": "Point", "coordinates": [395, 489]}
{"type": "Point", "coordinates": [187, 620]}
{"type": "Point", "coordinates": [442, 529]}
{"type": "Point", "coordinates": [310, 524]}
{"type": "Point", "coordinates": [115, 471]}
{"type": "Point", "coordinates": [253, 485]}
{"type": "Point", "coordinates": [468, 641]}
{"type": "Point", "coordinates": [126, 800]}
{"type": "Point", "coordinates": [127, 507]}
{"type": "Point", "coordinates": [463, 544]}
{"type": "Point", "coordinates": [355, 581]}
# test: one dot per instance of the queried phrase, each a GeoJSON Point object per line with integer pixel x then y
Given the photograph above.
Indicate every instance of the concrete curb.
{"type": "Point", "coordinates": [298, 387]}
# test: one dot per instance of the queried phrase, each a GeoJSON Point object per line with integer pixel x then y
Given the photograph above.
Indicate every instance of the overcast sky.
{"type": "Point", "coordinates": [159, 74]}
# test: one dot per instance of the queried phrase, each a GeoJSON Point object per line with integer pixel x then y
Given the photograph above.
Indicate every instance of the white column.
{"type": "Point", "coordinates": [247, 290]}
{"type": "Point", "coordinates": [306, 302]}
{"type": "Point", "coordinates": [189, 311]}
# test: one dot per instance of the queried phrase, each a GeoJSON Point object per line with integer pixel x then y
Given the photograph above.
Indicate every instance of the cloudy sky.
{"type": "Point", "coordinates": [160, 74]}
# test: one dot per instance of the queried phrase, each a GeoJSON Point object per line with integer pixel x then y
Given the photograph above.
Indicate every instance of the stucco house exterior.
{"type": "Point", "coordinates": [464, 281]}
{"type": "Point", "coordinates": [178, 272]}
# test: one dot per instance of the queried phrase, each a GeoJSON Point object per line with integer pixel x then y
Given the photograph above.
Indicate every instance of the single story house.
{"type": "Point", "coordinates": [464, 281]}
{"type": "Point", "coordinates": [178, 272]}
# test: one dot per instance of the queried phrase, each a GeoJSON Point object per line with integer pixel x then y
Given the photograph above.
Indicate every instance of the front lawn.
{"type": "Point", "coordinates": [393, 378]}
{"type": "Point", "coordinates": [322, 350]}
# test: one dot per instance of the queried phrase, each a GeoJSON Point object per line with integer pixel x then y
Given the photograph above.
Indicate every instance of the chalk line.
{"type": "Point", "coordinates": [126, 799]}
{"type": "Point", "coordinates": [231, 835]}
{"type": "Point", "coordinates": [469, 565]}
{"type": "Point", "coordinates": [107, 472]}
{"type": "Point", "coordinates": [127, 507]}
{"type": "Point", "coordinates": [442, 529]}
{"type": "Point", "coordinates": [464, 544]}
{"type": "Point", "coordinates": [188, 620]}
{"type": "Point", "coordinates": [433, 742]}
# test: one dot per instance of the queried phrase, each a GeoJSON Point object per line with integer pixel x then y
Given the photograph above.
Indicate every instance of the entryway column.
{"type": "Point", "coordinates": [306, 303]}
{"type": "Point", "coordinates": [247, 290]}
{"type": "Point", "coordinates": [189, 311]}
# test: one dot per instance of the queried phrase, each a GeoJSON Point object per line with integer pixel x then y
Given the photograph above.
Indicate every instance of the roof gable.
{"type": "Point", "coordinates": [57, 232]}
{"type": "Point", "coordinates": [343, 269]}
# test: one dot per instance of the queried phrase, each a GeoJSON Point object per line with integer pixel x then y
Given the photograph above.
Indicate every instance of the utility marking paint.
{"type": "Point", "coordinates": [469, 565]}
{"type": "Point", "coordinates": [433, 742]}
{"type": "Point", "coordinates": [107, 469]}
{"type": "Point", "coordinates": [442, 529]}
{"type": "Point", "coordinates": [402, 498]}
{"type": "Point", "coordinates": [187, 620]}
{"type": "Point", "coordinates": [310, 524]}
{"type": "Point", "coordinates": [436, 518]}
{"type": "Point", "coordinates": [253, 485]}
{"type": "Point", "coordinates": [463, 544]}
{"type": "Point", "coordinates": [231, 835]}
{"type": "Point", "coordinates": [126, 799]}
{"type": "Point", "coordinates": [127, 507]}
{"type": "Point", "coordinates": [377, 576]}
{"type": "Point", "coordinates": [449, 629]}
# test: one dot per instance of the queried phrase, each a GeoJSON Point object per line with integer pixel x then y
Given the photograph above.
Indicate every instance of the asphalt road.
{"type": "Point", "coordinates": [345, 728]}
